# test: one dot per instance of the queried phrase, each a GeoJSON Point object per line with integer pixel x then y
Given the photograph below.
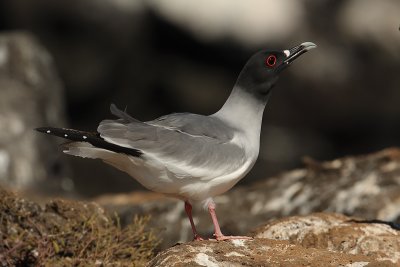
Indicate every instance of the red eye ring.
{"type": "Point", "coordinates": [270, 61]}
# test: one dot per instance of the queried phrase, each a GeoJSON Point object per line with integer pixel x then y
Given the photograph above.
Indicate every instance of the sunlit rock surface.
{"type": "Point", "coordinates": [268, 252]}
{"type": "Point", "coordinates": [336, 233]}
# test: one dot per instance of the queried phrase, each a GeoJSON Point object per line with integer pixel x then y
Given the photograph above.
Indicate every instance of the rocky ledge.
{"type": "Point", "coordinates": [314, 240]}
{"type": "Point", "coordinates": [65, 233]}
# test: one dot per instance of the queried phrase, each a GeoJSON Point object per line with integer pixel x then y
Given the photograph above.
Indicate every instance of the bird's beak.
{"type": "Point", "coordinates": [296, 51]}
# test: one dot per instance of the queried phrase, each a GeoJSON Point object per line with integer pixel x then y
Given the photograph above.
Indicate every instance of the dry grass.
{"type": "Point", "coordinates": [68, 233]}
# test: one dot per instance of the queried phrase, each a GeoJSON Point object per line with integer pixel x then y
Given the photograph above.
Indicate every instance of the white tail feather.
{"type": "Point", "coordinates": [86, 150]}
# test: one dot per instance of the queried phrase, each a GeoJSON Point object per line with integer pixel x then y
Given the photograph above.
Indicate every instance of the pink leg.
{"type": "Point", "coordinates": [218, 234]}
{"type": "Point", "coordinates": [188, 209]}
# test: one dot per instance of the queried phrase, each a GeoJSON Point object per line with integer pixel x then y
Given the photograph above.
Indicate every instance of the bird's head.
{"type": "Point", "coordinates": [261, 71]}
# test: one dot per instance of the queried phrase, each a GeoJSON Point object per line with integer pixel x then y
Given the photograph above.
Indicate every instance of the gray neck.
{"type": "Point", "coordinates": [243, 110]}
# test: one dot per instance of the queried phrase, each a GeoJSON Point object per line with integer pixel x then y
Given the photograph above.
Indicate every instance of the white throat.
{"type": "Point", "coordinates": [242, 111]}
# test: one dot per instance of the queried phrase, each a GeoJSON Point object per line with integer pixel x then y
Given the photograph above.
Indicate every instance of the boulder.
{"type": "Point", "coordinates": [320, 239]}
{"type": "Point", "coordinates": [30, 96]}
{"type": "Point", "coordinates": [336, 233]}
{"type": "Point", "coordinates": [257, 252]}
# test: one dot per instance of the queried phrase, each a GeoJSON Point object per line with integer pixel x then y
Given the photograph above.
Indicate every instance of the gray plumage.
{"type": "Point", "coordinates": [184, 137]}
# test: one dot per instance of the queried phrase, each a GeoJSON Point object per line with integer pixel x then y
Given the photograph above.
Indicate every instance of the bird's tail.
{"type": "Point", "coordinates": [71, 134]}
{"type": "Point", "coordinates": [92, 138]}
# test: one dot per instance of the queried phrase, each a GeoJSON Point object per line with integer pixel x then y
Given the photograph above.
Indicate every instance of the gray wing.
{"type": "Point", "coordinates": [195, 125]}
{"type": "Point", "coordinates": [185, 123]}
{"type": "Point", "coordinates": [198, 142]}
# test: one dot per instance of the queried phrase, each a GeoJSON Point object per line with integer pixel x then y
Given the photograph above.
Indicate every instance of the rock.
{"type": "Point", "coordinates": [30, 96]}
{"type": "Point", "coordinates": [356, 26]}
{"type": "Point", "coordinates": [336, 233]}
{"type": "Point", "coordinates": [320, 239]}
{"type": "Point", "coordinates": [71, 233]}
{"type": "Point", "coordinates": [257, 252]}
{"type": "Point", "coordinates": [364, 186]}
{"type": "Point", "coordinates": [86, 57]}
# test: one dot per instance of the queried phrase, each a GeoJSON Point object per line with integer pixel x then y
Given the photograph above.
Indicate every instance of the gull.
{"type": "Point", "coordinates": [189, 156]}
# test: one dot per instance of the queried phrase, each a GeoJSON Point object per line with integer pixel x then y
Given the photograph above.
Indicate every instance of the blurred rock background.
{"type": "Point", "coordinates": [156, 57]}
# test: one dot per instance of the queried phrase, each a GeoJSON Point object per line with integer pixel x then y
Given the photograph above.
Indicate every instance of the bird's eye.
{"type": "Point", "coordinates": [270, 61]}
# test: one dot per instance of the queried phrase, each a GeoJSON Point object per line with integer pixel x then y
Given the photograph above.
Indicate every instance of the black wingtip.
{"type": "Point", "coordinates": [71, 134]}
{"type": "Point", "coordinates": [49, 130]}
{"type": "Point", "coordinates": [89, 137]}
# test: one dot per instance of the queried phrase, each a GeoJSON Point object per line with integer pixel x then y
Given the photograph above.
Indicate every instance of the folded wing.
{"type": "Point", "coordinates": [185, 143]}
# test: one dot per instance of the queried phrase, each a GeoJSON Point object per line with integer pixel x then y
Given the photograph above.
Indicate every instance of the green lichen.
{"type": "Point", "coordinates": [68, 233]}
